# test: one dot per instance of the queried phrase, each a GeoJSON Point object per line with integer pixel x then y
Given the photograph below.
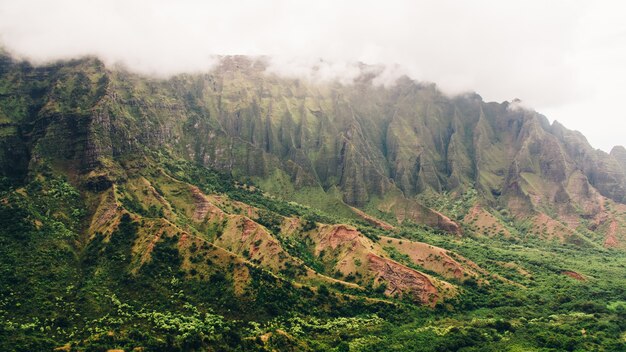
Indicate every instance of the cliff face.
{"type": "Point", "coordinates": [367, 141]}
{"type": "Point", "coordinates": [619, 154]}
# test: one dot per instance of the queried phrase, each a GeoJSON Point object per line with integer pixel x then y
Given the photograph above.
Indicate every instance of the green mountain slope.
{"type": "Point", "coordinates": [366, 146]}
{"type": "Point", "coordinates": [237, 210]}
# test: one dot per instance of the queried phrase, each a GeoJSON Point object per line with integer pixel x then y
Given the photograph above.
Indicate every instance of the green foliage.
{"type": "Point", "coordinates": [455, 206]}
{"type": "Point", "coordinates": [270, 220]}
{"type": "Point", "coordinates": [161, 307]}
{"type": "Point", "coordinates": [165, 259]}
{"type": "Point", "coordinates": [60, 284]}
{"type": "Point", "coordinates": [54, 291]}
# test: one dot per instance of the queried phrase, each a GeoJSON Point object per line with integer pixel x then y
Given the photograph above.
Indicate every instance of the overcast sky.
{"type": "Point", "coordinates": [565, 59]}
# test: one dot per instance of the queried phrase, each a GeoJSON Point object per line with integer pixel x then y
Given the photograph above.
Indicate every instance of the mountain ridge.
{"type": "Point", "coordinates": [236, 210]}
{"type": "Point", "coordinates": [375, 145]}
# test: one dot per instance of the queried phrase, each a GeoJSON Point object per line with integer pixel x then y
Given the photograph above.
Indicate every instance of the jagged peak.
{"type": "Point", "coordinates": [618, 150]}
{"type": "Point", "coordinates": [619, 154]}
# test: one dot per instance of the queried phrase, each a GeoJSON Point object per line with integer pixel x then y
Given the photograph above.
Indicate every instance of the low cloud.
{"type": "Point", "coordinates": [549, 54]}
{"type": "Point", "coordinates": [315, 70]}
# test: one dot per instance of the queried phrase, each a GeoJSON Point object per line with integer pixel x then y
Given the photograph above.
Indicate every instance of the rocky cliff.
{"type": "Point", "coordinates": [382, 149]}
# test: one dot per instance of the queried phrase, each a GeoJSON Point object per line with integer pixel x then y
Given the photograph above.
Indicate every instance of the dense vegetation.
{"type": "Point", "coordinates": [55, 291]}
{"type": "Point", "coordinates": [108, 238]}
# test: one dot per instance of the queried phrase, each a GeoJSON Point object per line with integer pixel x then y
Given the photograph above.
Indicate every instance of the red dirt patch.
{"type": "Point", "coordinates": [106, 214]}
{"type": "Point", "coordinates": [574, 275]}
{"type": "Point", "coordinates": [550, 228]}
{"type": "Point", "coordinates": [611, 235]}
{"type": "Point", "coordinates": [249, 227]}
{"type": "Point", "coordinates": [372, 220]}
{"type": "Point", "coordinates": [483, 221]}
{"type": "Point", "coordinates": [403, 280]}
{"type": "Point", "coordinates": [338, 236]}
{"type": "Point", "coordinates": [434, 258]}
{"type": "Point", "coordinates": [446, 224]}
{"type": "Point", "coordinates": [406, 209]}
{"type": "Point", "coordinates": [202, 205]}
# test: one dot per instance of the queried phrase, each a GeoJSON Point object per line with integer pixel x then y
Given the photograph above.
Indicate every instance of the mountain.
{"type": "Point", "coordinates": [237, 209]}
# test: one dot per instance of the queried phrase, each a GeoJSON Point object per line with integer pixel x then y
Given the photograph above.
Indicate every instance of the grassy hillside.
{"type": "Point", "coordinates": [166, 270]}
{"type": "Point", "coordinates": [242, 211]}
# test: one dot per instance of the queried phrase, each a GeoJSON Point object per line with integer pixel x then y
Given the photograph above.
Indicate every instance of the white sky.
{"type": "Point", "coordinates": [566, 59]}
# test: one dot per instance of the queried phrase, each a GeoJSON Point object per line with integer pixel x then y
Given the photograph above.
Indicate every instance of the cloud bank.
{"type": "Point", "coordinates": [564, 58]}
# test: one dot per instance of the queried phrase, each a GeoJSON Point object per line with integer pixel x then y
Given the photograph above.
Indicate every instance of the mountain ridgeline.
{"type": "Point", "coordinates": [241, 210]}
{"type": "Point", "coordinates": [375, 148]}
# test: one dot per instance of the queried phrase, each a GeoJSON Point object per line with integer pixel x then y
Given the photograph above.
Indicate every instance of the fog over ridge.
{"type": "Point", "coordinates": [562, 58]}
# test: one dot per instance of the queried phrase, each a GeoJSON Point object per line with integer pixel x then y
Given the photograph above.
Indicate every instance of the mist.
{"type": "Point", "coordinates": [563, 58]}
